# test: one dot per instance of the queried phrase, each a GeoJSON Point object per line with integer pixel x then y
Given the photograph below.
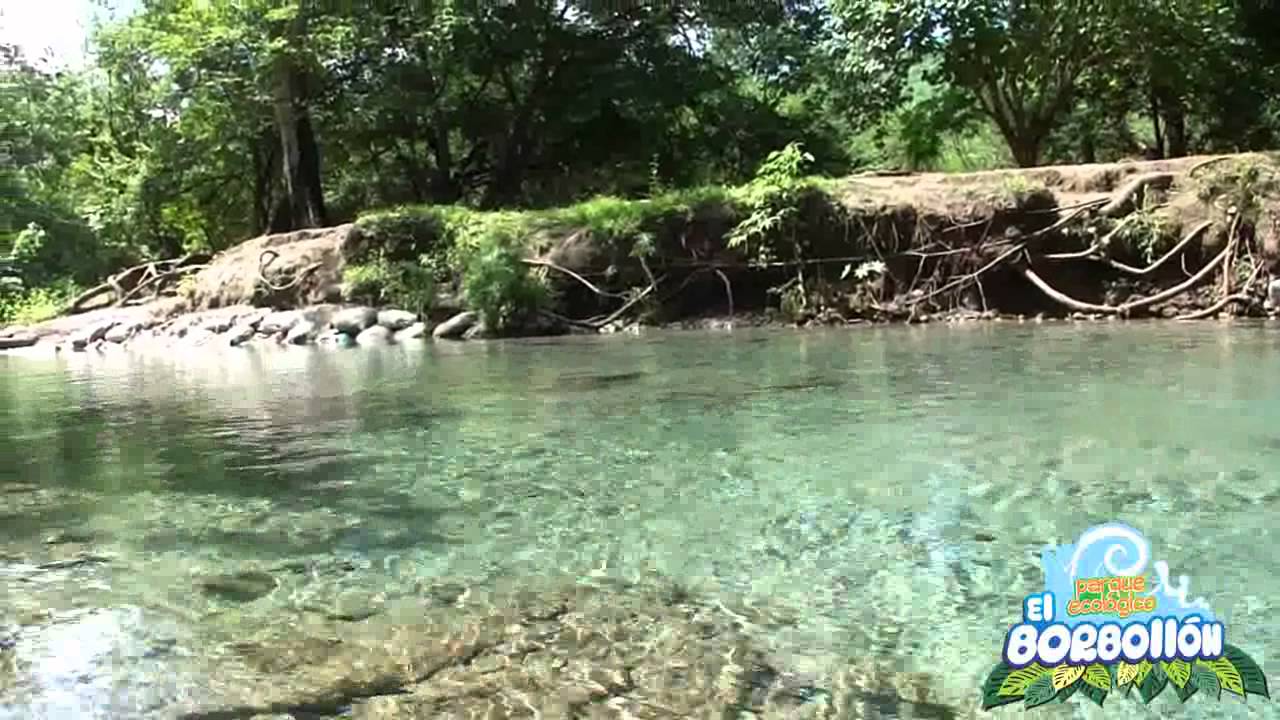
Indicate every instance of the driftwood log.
{"type": "Point", "coordinates": [130, 284]}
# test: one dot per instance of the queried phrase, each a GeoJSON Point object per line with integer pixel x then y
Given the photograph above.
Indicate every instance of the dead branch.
{"type": "Point", "coordinates": [1123, 197]}
{"type": "Point", "coordinates": [1079, 305]}
{"type": "Point", "coordinates": [586, 283]}
{"type": "Point", "coordinates": [1205, 163]}
{"type": "Point", "coordinates": [627, 306]}
{"type": "Point", "coordinates": [157, 282]}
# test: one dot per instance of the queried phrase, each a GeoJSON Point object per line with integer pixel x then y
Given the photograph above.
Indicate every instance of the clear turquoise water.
{"type": "Point", "coordinates": [891, 487]}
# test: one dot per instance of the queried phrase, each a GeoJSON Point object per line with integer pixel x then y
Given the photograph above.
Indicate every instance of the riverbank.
{"type": "Point", "coordinates": [1182, 239]}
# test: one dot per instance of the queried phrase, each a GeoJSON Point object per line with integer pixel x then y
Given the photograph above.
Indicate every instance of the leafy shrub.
{"type": "Point", "coordinates": [402, 283]}
{"type": "Point", "coordinates": [30, 306]}
{"type": "Point", "coordinates": [496, 281]}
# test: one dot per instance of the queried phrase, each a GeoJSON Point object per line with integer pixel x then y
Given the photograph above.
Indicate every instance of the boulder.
{"type": "Point", "coordinates": [239, 335]}
{"type": "Point", "coordinates": [19, 340]}
{"type": "Point", "coordinates": [121, 332]}
{"type": "Point", "coordinates": [376, 335]}
{"type": "Point", "coordinates": [281, 321]}
{"type": "Point", "coordinates": [456, 326]}
{"type": "Point", "coordinates": [416, 331]}
{"type": "Point", "coordinates": [1273, 295]}
{"type": "Point", "coordinates": [219, 324]}
{"type": "Point", "coordinates": [396, 319]}
{"type": "Point", "coordinates": [91, 334]}
{"type": "Point", "coordinates": [301, 333]}
{"type": "Point", "coordinates": [353, 320]}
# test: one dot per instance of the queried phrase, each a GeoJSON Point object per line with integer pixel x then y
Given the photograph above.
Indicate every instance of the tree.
{"type": "Point", "coordinates": [1020, 60]}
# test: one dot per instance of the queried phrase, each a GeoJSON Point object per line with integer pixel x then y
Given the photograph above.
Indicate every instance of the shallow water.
{"type": "Point", "coordinates": [889, 488]}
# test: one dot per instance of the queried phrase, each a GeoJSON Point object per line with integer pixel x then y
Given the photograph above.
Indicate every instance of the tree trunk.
{"type": "Point", "coordinates": [1175, 128]}
{"type": "Point", "coordinates": [299, 152]}
{"type": "Point", "coordinates": [1158, 148]}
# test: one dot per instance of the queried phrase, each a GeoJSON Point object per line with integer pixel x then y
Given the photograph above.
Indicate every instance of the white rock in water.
{"type": "Point", "coordinates": [396, 319]}
{"type": "Point", "coordinates": [416, 331]}
{"type": "Point", "coordinates": [376, 335]}
{"type": "Point", "coordinates": [1273, 295]}
{"type": "Point", "coordinates": [279, 322]}
{"type": "Point", "coordinates": [455, 326]}
{"type": "Point", "coordinates": [353, 320]}
{"type": "Point", "coordinates": [301, 333]}
{"type": "Point", "coordinates": [239, 335]}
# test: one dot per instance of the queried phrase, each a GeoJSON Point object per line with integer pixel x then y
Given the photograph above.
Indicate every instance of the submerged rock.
{"type": "Point", "coordinates": [396, 319]}
{"type": "Point", "coordinates": [336, 339]}
{"type": "Point", "coordinates": [415, 331]}
{"type": "Point", "coordinates": [456, 326]}
{"type": "Point", "coordinates": [376, 335]}
{"type": "Point", "coordinates": [354, 320]}
{"type": "Point", "coordinates": [244, 586]}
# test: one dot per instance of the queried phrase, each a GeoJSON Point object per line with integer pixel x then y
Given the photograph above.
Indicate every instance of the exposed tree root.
{"type": "Point", "coordinates": [1217, 307]}
{"type": "Point", "coordinates": [127, 284]}
{"type": "Point", "coordinates": [1125, 198]}
{"type": "Point", "coordinates": [1126, 308]}
{"type": "Point", "coordinates": [269, 256]}
{"type": "Point", "coordinates": [1196, 232]}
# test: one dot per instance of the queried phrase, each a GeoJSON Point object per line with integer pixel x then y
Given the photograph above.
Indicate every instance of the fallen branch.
{"type": "Point", "coordinates": [618, 313]}
{"type": "Point", "coordinates": [157, 281]}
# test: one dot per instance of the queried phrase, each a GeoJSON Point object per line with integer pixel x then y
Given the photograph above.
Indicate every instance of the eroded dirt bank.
{"type": "Point", "coordinates": [1190, 238]}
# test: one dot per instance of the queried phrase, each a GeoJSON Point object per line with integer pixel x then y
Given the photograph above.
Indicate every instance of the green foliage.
{"type": "Point", "coordinates": [1243, 184]}
{"type": "Point", "coordinates": [34, 305]}
{"type": "Point", "coordinates": [772, 201]}
{"type": "Point", "coordinates": [497, 283]}
{"type": "Point", "coordinates": [404, 284]}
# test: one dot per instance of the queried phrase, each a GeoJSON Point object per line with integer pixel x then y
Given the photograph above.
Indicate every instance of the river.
{"type": "Point", "coordinates": [173, 525]}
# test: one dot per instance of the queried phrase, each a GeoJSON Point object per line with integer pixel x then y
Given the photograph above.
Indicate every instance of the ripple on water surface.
{"type": "Point", "coordinates": [214, 532]}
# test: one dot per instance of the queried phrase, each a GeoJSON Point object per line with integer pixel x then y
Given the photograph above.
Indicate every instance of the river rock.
{"type": "Point", "coordinates": [376, 335]}
{"type": "Point", "coordinates": [90, 334]}
{"type": "Point", "coordinates": [239, 335]}
{"type": "Point", "coordinates": [121, 332]}
{"type": "Point", "coordinates": [1273, 295]}
{"type": "Point", "coordinates": [282, 321]}
{"type": "Point", "coordinates": [301, 333]}
{"type": "Point", "coordinates": [336, 339]}
{"type": "Point", "coordinates": [396, 319]}
{"type": "Point", "coordinates": [416, 331]}
{"type": "Point", "coordinates": [456, 326]}
{"type": "Point", "coordinates": [22, 340]}
{"type": "Point", "coordinates": [353, 320]}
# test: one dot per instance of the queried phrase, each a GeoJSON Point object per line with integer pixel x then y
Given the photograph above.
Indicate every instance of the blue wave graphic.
{"type": "Point", "coordinates": [1115, 550]}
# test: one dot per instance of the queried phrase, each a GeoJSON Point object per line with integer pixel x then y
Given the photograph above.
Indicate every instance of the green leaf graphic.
{"type": "Point", "coordinates": [1206, 680]}
{"type": "Point", "coordinates": [1184, 691]}
{"type": "Point", "coordinates": [1065, 693]}
{"type": "Point", "coordinates": [1251, 677]}
{"type": "Point", "coordinates": [1099, 677]}
{"type": "Point", "coordinates": [1153, 684]}
{"type": "Point", "coordinates": [1017, 682]}
{"type": "Point", "coordinates": [1228, 676]}
{"type": "Point", "coordinates": [1093, 692]}
{"type": "Point", "coordinates": [1178, 671]}
{"type": "Point", "coordinates": [1041, 691]}
{"type": "Point", "coordinates": [991, 697]}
